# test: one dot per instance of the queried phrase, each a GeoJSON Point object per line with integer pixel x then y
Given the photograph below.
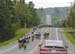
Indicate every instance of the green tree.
{"type": "Point", "coordinates": [22, 12]}
{"type": "Point", "coordinates": [7, 29]}
{"type": "Point", "coordinates": [71, 18]}
{"type": "Point", "coordinates": [14, 15]}
{"type": "Point", "coordinates": [35, 20]}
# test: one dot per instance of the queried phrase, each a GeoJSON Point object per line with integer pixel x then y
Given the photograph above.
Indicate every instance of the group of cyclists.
{"type": "Point", "coordinates": [35, 34]}
{"type": "Point", "coordinates": [23, 41]}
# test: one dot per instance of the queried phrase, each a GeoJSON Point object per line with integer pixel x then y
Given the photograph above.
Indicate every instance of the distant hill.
{"type": "Point", "coordinates": [57, 13]}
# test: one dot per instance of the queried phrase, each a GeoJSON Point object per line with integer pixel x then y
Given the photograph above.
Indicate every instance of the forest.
{"type": "Point", "coordinates": [14, 15]}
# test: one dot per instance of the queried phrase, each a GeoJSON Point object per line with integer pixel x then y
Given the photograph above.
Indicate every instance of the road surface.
{"type": "Point", "coordinates": [32, 47]}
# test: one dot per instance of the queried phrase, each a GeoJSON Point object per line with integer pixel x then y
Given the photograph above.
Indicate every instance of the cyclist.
{"type": "Point", "coordinates": [20, 43]}
{"type": "Point", "coordinates": [32, 36]}
{"type": "Point", "coordinates": [24, 43]}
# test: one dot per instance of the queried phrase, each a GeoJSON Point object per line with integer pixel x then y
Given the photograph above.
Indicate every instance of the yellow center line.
{"type": "Point", "coordinates": [33, 50]}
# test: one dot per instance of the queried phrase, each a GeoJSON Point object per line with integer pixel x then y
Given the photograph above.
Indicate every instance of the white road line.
{"type": "Point", "coordinates": [50, 32]}
{"type": "Point", "coordinates": [57, 33]}
{"type": "Point", "coordinates": [8, 49]}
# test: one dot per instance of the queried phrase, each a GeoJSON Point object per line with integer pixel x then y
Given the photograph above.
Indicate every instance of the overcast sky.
{"type": "Point", "coordinates": [50, 3]}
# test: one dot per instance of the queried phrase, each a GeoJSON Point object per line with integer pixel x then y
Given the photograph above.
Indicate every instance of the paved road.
{"type": "Point", "coordinates": [57, 34]}
{"type": "Point", "coordinates": [32, 48]}
{"type": "Point", "coordinates": [13, 48]}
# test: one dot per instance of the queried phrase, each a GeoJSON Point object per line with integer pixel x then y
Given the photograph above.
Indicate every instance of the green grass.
{"type": "Point", "coordinates": [69, 36]}
{"type": "Point", "coordinates": [19, 33]}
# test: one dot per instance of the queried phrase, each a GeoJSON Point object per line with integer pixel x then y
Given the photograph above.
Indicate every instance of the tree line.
{"type": "Point", "coordinates": [70, 21]}
{"type": "Point", "coordinates": [14, 15]}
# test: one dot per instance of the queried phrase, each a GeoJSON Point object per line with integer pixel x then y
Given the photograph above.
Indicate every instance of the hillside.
{"type": "Point", "coordinates": [57, 13]}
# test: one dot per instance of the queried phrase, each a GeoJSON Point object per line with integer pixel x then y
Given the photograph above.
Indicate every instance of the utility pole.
{"type": "Point", "coordinates": [71, 5]}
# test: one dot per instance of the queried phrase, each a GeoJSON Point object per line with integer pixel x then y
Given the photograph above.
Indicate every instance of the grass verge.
{"type": "Point", "coordinates": [69, 36]}
{"type": "Point", "coordinates": [19, 33]}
